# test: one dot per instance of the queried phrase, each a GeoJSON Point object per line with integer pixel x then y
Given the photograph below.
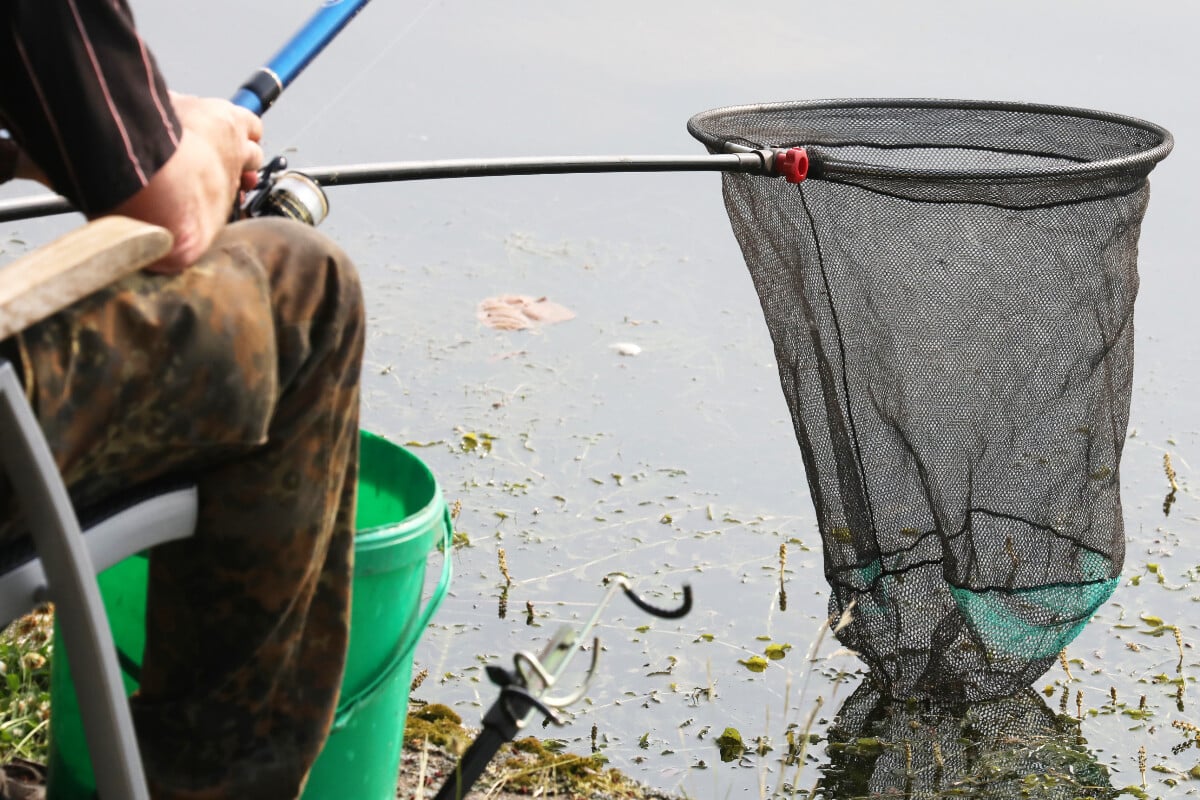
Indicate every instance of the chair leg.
{"type": "Point", "coordinates": [107, 720]}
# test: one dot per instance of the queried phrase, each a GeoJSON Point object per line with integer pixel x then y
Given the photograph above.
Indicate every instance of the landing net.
{"type": "Point", "coordinates": [950, 294]}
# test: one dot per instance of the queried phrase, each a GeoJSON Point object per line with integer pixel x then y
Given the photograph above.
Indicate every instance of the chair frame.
{"type": "Point", "coordinates": [68, 557]}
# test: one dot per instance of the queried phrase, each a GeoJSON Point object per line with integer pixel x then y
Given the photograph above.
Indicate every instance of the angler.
{"type": "Point", "coordinates": [234, 361]}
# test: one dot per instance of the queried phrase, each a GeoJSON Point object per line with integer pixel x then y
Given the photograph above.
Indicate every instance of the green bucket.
{"type": "Point", "coordinates": [402, 517]}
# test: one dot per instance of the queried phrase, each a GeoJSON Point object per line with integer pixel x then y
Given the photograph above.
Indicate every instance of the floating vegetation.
{"type": "Point", "coordinates": [754, 663]}
{"type": "Point", "coordinates": [1169, 469]}
{"type": "Point", "coordinates": [1192, 732]}
{"type": "Point", "coordinates": [776, 652]}
{"type": "Point", "coordinates": [458, 538]}
{"type": "Point", "coordinates": [1141, 712]}
{"type": "Point", "coordinates": [480, 443]}
{"type": "Point", "coordinates": [1062, 659]}
{"type": "Point", "coordinates": [1157, 627]}
{"type": "Point", "coordinates": [782, 574]}
{"type": "Point", "coordinates": [667, 670]}
{"type": "Point", "coordinates": [432, 443]}
{"type": "Point", "coordinates": [794, 748]}
{"type": "Point", "coordinates": [502, 558]}
{"type": "Point", "coordinates": [730, 745]}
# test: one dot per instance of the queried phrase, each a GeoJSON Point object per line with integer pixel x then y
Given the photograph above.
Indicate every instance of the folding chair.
{"type": "Point", "coordinates": [60, 562]}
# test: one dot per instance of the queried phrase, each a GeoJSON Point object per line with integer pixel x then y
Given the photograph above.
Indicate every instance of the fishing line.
{"type": "Point", "coordinates": [412, 24]}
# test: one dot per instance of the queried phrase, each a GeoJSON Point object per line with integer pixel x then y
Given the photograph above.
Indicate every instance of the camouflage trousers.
{"type": "Point", "coordinates": [241, 373]}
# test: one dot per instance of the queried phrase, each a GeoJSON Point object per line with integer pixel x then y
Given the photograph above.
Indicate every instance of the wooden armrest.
{"type": "Point", "coordinates": [54, 276]}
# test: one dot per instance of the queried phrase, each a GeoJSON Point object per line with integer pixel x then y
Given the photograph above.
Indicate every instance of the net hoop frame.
{"type": "Point", "coordinates": [700, 126]}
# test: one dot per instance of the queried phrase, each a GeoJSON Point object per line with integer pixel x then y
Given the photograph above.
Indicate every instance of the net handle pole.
{"type": "Point", "coordinates": [754, 161]}
{"type": "Point", "coordinates": [758, 161]}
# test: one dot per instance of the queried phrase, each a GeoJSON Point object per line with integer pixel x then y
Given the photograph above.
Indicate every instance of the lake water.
{"type": "Point", "coordinates": [679, 464]}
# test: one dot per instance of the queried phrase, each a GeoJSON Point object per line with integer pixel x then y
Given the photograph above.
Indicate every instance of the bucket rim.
{"type": "Point", "coordinates": [388, 534]}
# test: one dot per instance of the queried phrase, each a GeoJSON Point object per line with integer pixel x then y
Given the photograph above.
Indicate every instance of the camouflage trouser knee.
{"type": "Point", "coordinates": [243, 373]}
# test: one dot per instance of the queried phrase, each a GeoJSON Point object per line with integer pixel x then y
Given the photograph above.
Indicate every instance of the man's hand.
{"type": "Point", "coordinates": [193, 193]}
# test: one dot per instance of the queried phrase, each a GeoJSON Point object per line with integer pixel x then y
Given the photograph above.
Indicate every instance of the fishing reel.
{"type": "Point", "coordinates": [281, 192]}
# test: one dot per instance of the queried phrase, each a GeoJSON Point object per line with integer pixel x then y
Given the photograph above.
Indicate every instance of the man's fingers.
{"type": "Point", "coordinates": [252, 123]}
{"type": "Point", "coordinates": [252, 157]}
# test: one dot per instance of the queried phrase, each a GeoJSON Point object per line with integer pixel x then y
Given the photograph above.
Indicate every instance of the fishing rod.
{"type": "Point", "coordinates": [299, 193]}
{"type": "Point", "coordinates": [264, 86]}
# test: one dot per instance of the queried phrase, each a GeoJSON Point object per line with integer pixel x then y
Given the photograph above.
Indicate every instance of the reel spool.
{"type": "Point", "coordinates": [286, 193]}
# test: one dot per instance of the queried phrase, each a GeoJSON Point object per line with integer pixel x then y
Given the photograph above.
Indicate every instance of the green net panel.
{"type": "Point", "coordinates": [950, 295]}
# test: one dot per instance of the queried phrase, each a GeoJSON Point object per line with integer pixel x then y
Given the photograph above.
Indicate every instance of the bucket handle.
{"type": "Point", "coordinates": [404, 651]}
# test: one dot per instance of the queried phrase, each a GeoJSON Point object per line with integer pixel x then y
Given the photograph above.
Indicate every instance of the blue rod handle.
{"type": "Point", "coordinates": [268, 82]}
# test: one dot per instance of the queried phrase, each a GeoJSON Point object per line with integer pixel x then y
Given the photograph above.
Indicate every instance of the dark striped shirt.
{"type": "Point", "coordinates": [83, 96]}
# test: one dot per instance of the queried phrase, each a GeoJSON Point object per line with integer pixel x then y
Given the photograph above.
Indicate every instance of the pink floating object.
{"type": "Point", "coordinates": [516, 312]}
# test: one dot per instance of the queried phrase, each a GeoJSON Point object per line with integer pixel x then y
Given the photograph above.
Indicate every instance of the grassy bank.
{"type": "Point", "coordinates": [434, 739]}
{"type": "Point", "coordinates": [25, 703]}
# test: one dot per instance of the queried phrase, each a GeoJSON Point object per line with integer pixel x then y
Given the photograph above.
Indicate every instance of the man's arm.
{"type": "Point", "coordinates": [83, 97]}
{"type": "Point", "coordinates": [192, 194]}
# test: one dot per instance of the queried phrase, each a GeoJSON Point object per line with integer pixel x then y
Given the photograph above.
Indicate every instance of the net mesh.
{"type": "Point", "coordinates": [950, 296]}
{"type": "Point", "coordinates": [1009, 748]}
